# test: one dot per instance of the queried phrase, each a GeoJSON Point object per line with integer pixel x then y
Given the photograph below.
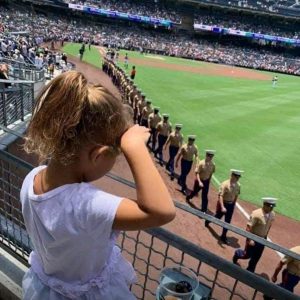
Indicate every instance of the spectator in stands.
{"type": "Point", "coordinates": [4, 75]}
{"type": "Point", "coordinates": [73, 225]}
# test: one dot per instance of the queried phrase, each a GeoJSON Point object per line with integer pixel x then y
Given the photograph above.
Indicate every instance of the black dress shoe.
{"type": "Point", "coordinates": [206, 224]}
{"type": "Point", "coordinates": [235, 259]}
{"type": "Point", "coordinates": [224, 240]}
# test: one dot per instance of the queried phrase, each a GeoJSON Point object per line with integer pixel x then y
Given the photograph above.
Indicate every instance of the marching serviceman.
{"type": "Point", "coordinates": [204, 171]}
{"type": "Point", "coordinates": [147, 110]}
{"type": "Point", "coordinates": [228, 194]}
{"type": "Point", "coordinates": [141, 104]}
{"type": "Point", "coordinates": [163, 129]}
{"type": "Point", "coordinates": [132, 93]}
{"type": "Point", "coordinates": [260, 223]}
{"type": "Point", "coordinates": [187, 154]}
{"type": "Point", "coordinates": [175, 139]}
{"type": "Point", "coordinates": [153, 120]}
{"type": "Point", "coordinates": [136, 100]}
{"type": "Point", "coordinates": [290, 275]}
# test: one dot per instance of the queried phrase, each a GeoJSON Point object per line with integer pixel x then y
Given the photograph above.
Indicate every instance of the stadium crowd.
{"type": "Point", "coordinates": [54, 28]}
{"type": "Point", "coordinates": [202, 16]}
{"type": "Point", "coordinates": [246, 23]}
{"type": "Point", "coordinates": [153, 9]}
{"type": "Point", "coordinates": [270, 6]}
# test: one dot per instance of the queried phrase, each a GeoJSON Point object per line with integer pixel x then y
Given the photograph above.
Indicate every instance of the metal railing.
{"type": "Point", "coordinates": [16, 100]}
{"type": "Point", "coordinates": [17, 64]}
{"type": "Point", "coordinates": [23, 71]}
{"type": "Point", "coordinates": [27, 74]}
{"type": "Point", "coordinates": [149, 251]}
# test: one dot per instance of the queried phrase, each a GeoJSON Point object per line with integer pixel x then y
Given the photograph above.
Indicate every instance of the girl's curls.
{"type": "Point", "coordinates": [70, 114]}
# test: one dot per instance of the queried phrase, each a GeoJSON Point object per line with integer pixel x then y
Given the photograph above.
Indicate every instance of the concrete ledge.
{"type": "Point", "coordinates": [11, 274]}
{"type": "Point", "coordinates": [8, 289]}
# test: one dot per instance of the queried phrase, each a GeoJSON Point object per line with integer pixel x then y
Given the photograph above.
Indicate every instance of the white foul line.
{"type": "Point", "coordinates": [243, 211]}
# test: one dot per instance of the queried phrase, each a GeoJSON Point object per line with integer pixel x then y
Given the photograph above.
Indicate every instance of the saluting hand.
{"type": "Point", "coordinates": [135, 136]}
{"type": "Point", "coordinates": [224, 210]}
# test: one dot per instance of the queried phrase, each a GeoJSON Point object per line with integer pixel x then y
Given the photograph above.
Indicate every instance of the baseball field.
{"type": "Point", "coordinates": [253, 126]}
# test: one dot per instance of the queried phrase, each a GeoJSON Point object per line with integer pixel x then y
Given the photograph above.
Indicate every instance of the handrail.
{"type": "Point", "coordinates": [249, 278]}
{"type": "Point", "coordinates": [15, 81]}
{"type": "Point", "coordinates": [11, 60]}
{"type": "Point", "coordinates": [10, 131]}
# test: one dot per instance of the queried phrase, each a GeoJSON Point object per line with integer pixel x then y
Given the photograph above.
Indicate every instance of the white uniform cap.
{"type": "Point", "coordinates": [178, 125]}
{"type": "Point", "coordinates": [156, 108]}
{"type": "Point", "coordinates": [236, 172]}
{"type": "Point", "coordinates": [211, 152]}
{"type": "Point", "coordinates": [165, 115]}
{"type": "Point", "coordinates": [269, 200]}
{"type": "Point", "coordinates": [149, 101]}
{"type": "Point", "coordinates": [191, 137]}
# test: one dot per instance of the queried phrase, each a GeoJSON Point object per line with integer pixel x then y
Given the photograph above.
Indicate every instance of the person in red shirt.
{"type": "Point", "coordinates": [133, 72]}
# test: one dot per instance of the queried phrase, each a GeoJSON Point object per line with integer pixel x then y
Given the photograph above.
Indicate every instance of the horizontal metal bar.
{"type": "Point", "coordinates": [10, 131]}
{"type": "Point", "coordinates": [16, 81]}
{"type": "Point", "coordinates": [15, 160]}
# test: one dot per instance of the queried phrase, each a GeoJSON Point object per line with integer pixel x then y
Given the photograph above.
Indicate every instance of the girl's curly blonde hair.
{"type": "Point", "coordinates": [70, 114]}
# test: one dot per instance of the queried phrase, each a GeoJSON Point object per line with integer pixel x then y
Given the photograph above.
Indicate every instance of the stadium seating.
{"type": "Point", "coordinates": [231, 51]}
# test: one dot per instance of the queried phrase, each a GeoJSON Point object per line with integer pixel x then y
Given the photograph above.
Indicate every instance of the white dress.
{"type": "Point", "coordinates": [75, 254]}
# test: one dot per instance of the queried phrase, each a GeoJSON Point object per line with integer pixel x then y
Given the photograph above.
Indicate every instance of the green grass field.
{"type": "Point", "coordinates": [253, 126]}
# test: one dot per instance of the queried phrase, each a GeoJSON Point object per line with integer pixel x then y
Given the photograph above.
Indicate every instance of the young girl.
{"type": "Point", "coordinates": [80, 129]}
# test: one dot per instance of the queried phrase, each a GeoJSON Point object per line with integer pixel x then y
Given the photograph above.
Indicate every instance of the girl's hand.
{"type": "Point", "coordinates": [134, 137]}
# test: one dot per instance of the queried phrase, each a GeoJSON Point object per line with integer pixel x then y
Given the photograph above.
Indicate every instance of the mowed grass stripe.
{"type": "Point", "coordinates": [251, 125]}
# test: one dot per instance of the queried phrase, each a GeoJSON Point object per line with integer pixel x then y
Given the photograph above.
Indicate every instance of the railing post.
{"type": "Point", "coordinates": [4, 107]}
{"type": "Point", "coordinates": [22, 101]}
{"type": "Point", "coordinates": [32, 98]}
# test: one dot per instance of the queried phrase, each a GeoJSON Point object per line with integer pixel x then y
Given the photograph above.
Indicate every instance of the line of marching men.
{"type": "Point", "coordinates": [162, 137]}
